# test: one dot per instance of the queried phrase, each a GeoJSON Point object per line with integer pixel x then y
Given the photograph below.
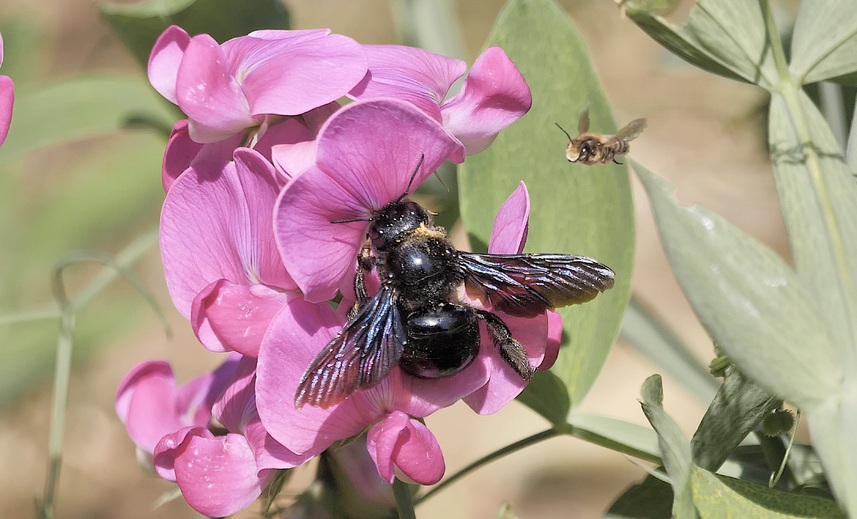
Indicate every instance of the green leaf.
{"type": "Point", "coordinates": [824, 41]}
{"type": "Point", "coordinates": [546, 394]}
{"type": "Point", "coordinates": [649, 335]}
{"type": "Point", "coordinates": [725, 37]}
{"type": "Point", "coordinates": [833, 428]}
{"type": "Point", "coordinates": [651, 499]}
{"type": "Point", "coordinates": [637, 440]}
{"type": "Point", "coordinates": [675, 449]}
{"type": "Point", "coordinates": [138, 25]}
{"type": "Point", "coordinates": [817, 196]}
{"type": "Point", "coordinates": [740, 405]}
{"type": "Point", "coordinates": [752, 304]}
{"type": "Point", "coordinates": [574, 209]}
{"type": "Point", "coordinates": [722, 497]}
{"type": "Point", "coordinates": [79, 108]}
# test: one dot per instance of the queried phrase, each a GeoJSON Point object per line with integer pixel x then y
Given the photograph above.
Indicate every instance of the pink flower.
{"type": "Point", "coordinates": [493, 96]}
{"type": "Point", "coordinates": [150, 405]}
{"type": "Point", "coordinates": [366, 156]}
{"type": "Point", "coordinates": [221, 263]}
{"type": "Point", "coordinates": [226, 89]}
{"type": "Point", "coordinates": [220, 475]}
{"type": "Point", "coordinates": [7, 99]}
{"type": "Point", "coordinates": [390, 410]}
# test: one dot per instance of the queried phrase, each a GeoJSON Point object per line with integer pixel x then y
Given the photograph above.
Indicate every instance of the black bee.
{"type": "Point", "coordinates": [411, 321]}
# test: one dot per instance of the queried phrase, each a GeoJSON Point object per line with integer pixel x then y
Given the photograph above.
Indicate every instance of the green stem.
{"type": "Point", "coordinates": [29, 315]}
{"type": "Point", "coordinates": [508, 449]}
{"type": "Point", "coordinates": [404, 499]}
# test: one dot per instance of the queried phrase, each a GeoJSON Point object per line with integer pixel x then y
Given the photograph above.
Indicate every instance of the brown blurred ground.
{"type": "Point", "coordinates": [702, 135]}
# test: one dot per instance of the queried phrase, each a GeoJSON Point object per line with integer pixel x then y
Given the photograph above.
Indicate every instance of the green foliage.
{"type": "Point", "coordinates": [596, 219]}
{"type": "Point", "coordinates": [139, 24]}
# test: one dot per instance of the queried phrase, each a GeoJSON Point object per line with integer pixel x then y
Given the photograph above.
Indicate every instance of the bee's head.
{"type": "Point", "coordinates": [393, 222]}
{"type": "Point", "coordinates": [578, 150]}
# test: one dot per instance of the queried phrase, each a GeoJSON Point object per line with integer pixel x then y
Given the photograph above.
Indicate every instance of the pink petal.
{"type": "Point", "coordinates": [291, 160]}
{"type": "Point", "coordinates": [504, 383]}
{"type": "Point", "coordinates": [554, 340]}
{"type": "Point", "coordinates": [296, 335]}
{"type": "Point", "coordinates": [165, 59]}
{"type": "Point", "coordinates": [409, 74]}
{"type": "Point", "coordinates": [196, 398]}
{"type": "Point", "coordinates": [218, 476]}
{"type": "Point", "coordinates": [7, 100]}
{"type": "Point", "coordinates": [367, 153]}
{"type": "Point", "coordinates": [297, 72]}
{"type": "Point", "coordinates": [146, 404]}
{"type": "Point", "coordinates": [217, 225]}
{"type": "Point", "coordinates": [209, 94]}
{"type": "Point", "coordinates": [164, 457]}
{"type": "Point", "coordinates": [237, 405]}
{"type": "Point", "coordinates": [1, 49]}
{"type": "Point", "coordinates": [237, 315]}
{"type": "Point", "coordinates": [509, 233]}
{"type": "Point", "coordinates": [269, 453]}
{"type": "Point", "coordinates": [399, 441]}
{"type": "Point", "coordinates": [493, 96]}
{"type": "Point", "coordinates": [181, 150]}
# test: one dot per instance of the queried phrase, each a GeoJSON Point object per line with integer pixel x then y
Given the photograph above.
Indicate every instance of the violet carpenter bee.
{"type": "Point", "coordinates": [413, 321]}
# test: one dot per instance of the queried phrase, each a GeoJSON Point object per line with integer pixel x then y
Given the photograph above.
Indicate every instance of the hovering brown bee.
{"type": "Point", "coordinates": [594, 148]}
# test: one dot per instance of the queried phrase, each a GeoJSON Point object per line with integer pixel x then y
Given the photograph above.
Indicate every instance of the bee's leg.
{"type": "Point", "coordinates": [510, 349]}
{"type": "Point", "coordinates": [365, 263]}
{"type": "Point", "coordinates": [617, 162]}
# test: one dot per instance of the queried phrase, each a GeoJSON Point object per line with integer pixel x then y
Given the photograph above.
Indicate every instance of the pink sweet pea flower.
{"type": "Point", "coordinates": [493, 96]}
{"type": "Point", "coordinates": [220, 475]}
{"type": "Point", "coordinates": [396, 439]}
{"type": "Point", "coordinates": [366, 156]}
{"type": "Point", "coordinates": [226, 89]}
{"type": "Point", "coordinates": [221, 263]}
{"type": "Point", "coordinates": [7, 99]}
{"type": "Point", "coordinates": [150, 405]}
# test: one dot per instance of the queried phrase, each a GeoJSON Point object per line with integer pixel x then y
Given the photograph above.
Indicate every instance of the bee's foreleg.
{"type": "Point", "coordinates": [510, 349]}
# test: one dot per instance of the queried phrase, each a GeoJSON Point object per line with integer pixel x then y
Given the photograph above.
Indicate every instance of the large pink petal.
{"type": "Point", "coordinates": [180, 152]}
{"type": "Point", "coordinates": [217, 225]}
{"type": "Point", "coordinates": [414, 75]}
{"type": "Point", "coordinates": [504, 383]}
{"type": "Point", "coordinates": [509, 233]}
{"type": "Point", "coordinates": [294, 339]}
{"type": "Point", "coordinates": [553, 341]}
{"type": "Point", "coordinates": [297, 72]}
{"type": "Point", "coordinates": [218, 476]}
{"type": "Point", "coordinates": [165, 59]}
{"type": "Point", "coordinates": [399, 441]}
{"type": "Point", "coordinates": [209, 94]}
{"type": "Point", "coordinates": [237, 315]}
{"type": "Point", "coordinates": [196, 398]}
{"type": "Point", "coordinates": [146, 403]}
{"type": "Point", "coordinates": [493, 96]}
{"type": "Point", "coordinates": [7, 100]}
{"type": "Point", "coordinates": [367, 153]}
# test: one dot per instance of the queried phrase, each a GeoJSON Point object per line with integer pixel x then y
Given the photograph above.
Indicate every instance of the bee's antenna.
{"type": "Point", "coordinates": [563, 131]}
{"type": "Point", "coordinates": [349, 220]}
{"type": "Point", "coordinates": [411, 181]}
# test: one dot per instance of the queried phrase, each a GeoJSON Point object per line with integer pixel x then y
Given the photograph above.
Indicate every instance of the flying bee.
{"type": "Point", "coordinates": [413, 321]}
{"type": "Point", "coordinates": [594, 148]}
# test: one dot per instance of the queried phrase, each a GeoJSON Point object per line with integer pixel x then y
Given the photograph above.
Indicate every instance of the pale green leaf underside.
{"type": "Point", "coordinates": [824, 41]}
{"type": "Point", "coordinates": [751, 303]}
{"type": "Point", "coordinates": [574, 209]}
{"type": "Point", "coordinates": [725, 37]}
{"type": "Point", "coordinates": [632, 436]}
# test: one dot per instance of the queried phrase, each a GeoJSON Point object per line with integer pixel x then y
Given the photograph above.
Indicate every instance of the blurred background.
{"type": "Point", "coordinates": [705, 134]}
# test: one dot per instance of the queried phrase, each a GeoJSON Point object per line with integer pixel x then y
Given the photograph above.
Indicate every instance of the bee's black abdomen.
{"type": "Point", "coordinates": [442, 340]}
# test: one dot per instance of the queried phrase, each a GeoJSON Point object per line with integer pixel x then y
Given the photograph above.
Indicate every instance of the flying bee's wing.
{"type": "Point", "coordinates": [525, 285]}
{"type": "Point", "coordinates": [632, 130]}
{"type": "Point", "coordinates": [583, 122]}
{"type": "Point", "coordinates": [360, 355]}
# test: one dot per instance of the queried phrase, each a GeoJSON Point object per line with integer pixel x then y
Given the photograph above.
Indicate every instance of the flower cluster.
{"type": "Point", "coordinates": [7, 98]}
{"type": "Point", "coordinates": [256, 179]}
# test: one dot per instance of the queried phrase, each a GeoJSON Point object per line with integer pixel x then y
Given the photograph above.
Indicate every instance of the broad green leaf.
{"type": "Point", "coordinates": [79, 108]}
{"type": "Point", "coordinates": [138, 25]}
{"type": "Point", "coordinates": [725, 37]}
{"type": "Point", "coordinates": [824, 41]}
{"type": "Point", "coordinates": [651, 499]}
{"type": "Point", "coordinates": [721, 497]}
{"type": "Point", "coordinates": [833, 428]}
{"type": "Point", "coordinates": [546, 394]}
{"type": "Point", "coordinates": [574, 209]}
{"type": "Point", "coordinates": [675, 449]}
{"type": "Point", "coordinates": [642, 440]}
{"type": "Point", "coordinates": [649, 335]}
{"type": "Point", "coordinates": [752, 304]}
{"type": "Point", "coordinates": [818, 196]}
{"type": "Point", "coordinates": [740, 405]}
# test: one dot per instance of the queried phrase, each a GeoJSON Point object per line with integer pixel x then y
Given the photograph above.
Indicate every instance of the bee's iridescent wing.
{"type": "Point", "coordinates": [632, 130]}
